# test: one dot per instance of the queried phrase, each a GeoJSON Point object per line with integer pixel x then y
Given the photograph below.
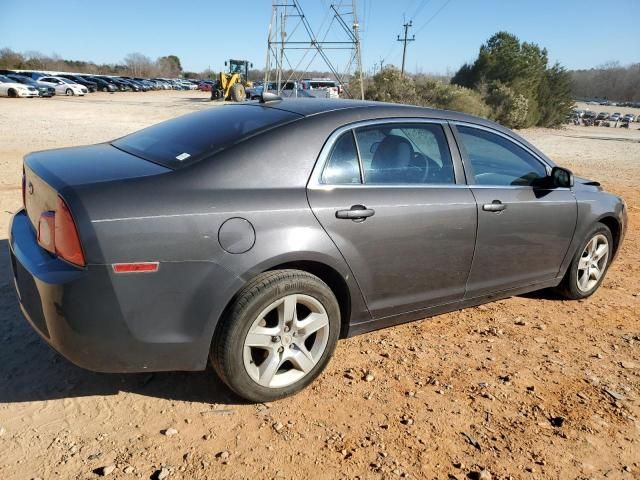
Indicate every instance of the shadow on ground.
{"type": "Point", "coordinates": [199, 100]}
{"type": "Point", "coordinates": [31, 370]}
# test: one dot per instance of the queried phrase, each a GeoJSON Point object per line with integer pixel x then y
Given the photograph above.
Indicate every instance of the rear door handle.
{"type": "Point", "coordinates": [495, 206]}
{"type": "Point", "coordinates": [357, 213]}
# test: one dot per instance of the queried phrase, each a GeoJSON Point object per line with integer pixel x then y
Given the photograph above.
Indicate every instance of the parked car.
{"type": "Point", "coordinates": [628, 117]}
{"type": "Point", "coordinates": [603, 116]}
{"type": "Point", "coordinates": [90, 85]}
{"type": "Point", "coordinates": [102, 84]}
{"type": "Point", "coordinates": [257, 234]}
{"type": "Point", "coordinates": [14, 89]}
{"type": "Point", "coordinates": [164, 83]}
{"type": "Point", "coordinates": [131, 84]}
{"type": "Point", "coordinates": [614, 117]}
{"type": "Point", "coordinates": [206, 85]}
{"type": "Point", "coordinates": [32, 74]}
{"type": "Point", "coordinates": [63, 86]}
{"type": "Point", "coordinates": [321, 87]}
{"type": "Point", "coordinates": [43, 91]}
{"type": "Point", "coordinates": [118, 84]}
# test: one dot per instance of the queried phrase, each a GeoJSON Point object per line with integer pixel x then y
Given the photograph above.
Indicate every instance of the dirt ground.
{"type": "Point", "coordinates": [530, 387]}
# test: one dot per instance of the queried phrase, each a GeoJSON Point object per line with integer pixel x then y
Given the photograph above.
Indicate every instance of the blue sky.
{"type": "Point", "coordinates": [577, 33]}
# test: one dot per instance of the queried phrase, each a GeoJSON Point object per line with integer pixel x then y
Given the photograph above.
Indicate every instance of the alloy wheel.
{"type": "Point", "coordinates": [286, 341]}
{"type": "Point", "coordinates": [592, 263]}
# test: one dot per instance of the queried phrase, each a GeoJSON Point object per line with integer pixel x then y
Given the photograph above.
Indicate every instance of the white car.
{"type": "Point", "coordinates": [63, 86]}
{"type": "Point", "coordinates": [9, 88]}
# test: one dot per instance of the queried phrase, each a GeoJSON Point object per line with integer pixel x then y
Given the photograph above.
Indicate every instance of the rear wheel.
{"type": "Point", "coordinates": [278, 335]}
{"type": "Point", "coordinates": [238, 93]}
{"type": "Point", "coordinates": [589, 264]}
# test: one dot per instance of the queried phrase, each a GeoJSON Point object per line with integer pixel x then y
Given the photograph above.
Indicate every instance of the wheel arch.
{"type": "Point", "coordinates": [333, 279]}
{"type": "Point", "coordinates": [615, 227]}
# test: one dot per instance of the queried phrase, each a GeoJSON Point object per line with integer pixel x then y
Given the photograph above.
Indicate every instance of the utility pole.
{"type": "Point", "coordinates": [405, 40]}
{"type": "Point", "coordinates": [381, 64]}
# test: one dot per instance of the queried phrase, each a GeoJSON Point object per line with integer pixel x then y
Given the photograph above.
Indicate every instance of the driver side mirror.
{"type": "Point", "coordinates": [561, 177]}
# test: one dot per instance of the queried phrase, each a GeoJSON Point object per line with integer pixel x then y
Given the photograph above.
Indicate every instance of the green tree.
{"type": "Point", "coordinates": [515, 75]}
{"type": "Point", "coordinates": [555, 96]}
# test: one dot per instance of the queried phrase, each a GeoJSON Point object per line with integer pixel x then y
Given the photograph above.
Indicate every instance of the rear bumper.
{"type": "Point", "coordinates": [105, 322]}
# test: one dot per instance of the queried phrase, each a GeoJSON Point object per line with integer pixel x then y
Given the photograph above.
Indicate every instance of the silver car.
{"type": "Point", "coordinates": [254, 236]}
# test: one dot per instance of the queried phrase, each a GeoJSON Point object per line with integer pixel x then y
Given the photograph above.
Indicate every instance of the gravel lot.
{"type": "Point", "coordinates": [529, 387]}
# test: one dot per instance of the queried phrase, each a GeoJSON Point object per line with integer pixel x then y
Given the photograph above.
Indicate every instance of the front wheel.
{"type": "Point", "coordinates": [238, 93]}
{"type": "Point", "coordinates": [69, 92]}
{"type": "Point", "coordinates": [278, 335]}
{"type": "Point", "coordinates": [589, 264]}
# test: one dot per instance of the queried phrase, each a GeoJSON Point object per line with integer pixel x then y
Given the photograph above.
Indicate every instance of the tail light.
{"type": "Point", "coordinates": [24, 189]}
{"type": "Point", "coordinates": [57, 233]}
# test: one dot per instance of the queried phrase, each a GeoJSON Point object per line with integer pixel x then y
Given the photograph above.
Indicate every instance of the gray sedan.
{"type": "Point", "coordinates": [254, 236]}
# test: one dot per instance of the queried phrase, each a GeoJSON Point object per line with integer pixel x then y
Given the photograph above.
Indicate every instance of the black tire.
{"type": "Point", "coordinates": [569, 286]}
{"type": "Point", "coordinates": [69, 92]}
{"type": "Point", "coordinates": [12, 93]}
{"type": "Point", "coordinates": [227, 353]}
{"type": "Point", "coordinates": [105, 89]}
{"type": "Point", "coordinates": [238, 93]}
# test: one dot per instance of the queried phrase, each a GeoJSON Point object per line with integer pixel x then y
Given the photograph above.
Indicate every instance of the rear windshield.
{"type": "Point", "coordinates": [187, 139]}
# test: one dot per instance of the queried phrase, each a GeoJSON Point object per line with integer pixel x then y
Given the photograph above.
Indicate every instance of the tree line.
{"type": "Point", "coordinates": [134, 64]}
{"type": "Point", "coordinates": [611, 81]}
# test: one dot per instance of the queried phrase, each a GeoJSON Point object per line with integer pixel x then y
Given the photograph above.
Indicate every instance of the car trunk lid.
{"type": "Point", "coordinates": [47, 173]}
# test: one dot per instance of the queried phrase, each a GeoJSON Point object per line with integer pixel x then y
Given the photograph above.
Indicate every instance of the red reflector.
{"type": "Point", "coordinates": [135, 267]}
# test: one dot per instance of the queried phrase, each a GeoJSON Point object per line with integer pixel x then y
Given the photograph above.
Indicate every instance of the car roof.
{"type": "Point", "coordinates": [307, 107]}
{"type": "Point", "coordinates": [370, 110]}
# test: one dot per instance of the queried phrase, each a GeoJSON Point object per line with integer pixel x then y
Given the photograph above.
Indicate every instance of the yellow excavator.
{"type": "Point", "coordinates": [231, 85]}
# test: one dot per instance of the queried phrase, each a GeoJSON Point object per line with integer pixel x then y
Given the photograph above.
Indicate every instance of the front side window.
{"type": "Point", "coordinates": [405, 154]}
{"type": "Point", "coordinates": [342, 167]}
{"type": "Point", "coordinates": [497, 161]}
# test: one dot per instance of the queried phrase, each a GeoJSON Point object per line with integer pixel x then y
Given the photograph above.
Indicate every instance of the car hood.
{"type": "Point", "coordinates": [84, 165]}
{"type": "Point", "coordinates": [586, 184]}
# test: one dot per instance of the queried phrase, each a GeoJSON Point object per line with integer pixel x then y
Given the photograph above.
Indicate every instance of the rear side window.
{"type": "Point", "coordinates": [405, 154]}
{"type": "Point", "coordinates": [498, 161]}
{"type": "Point", "coordinates": [343, 166]}
{"type": "Point", "coordinates": [187, 139]}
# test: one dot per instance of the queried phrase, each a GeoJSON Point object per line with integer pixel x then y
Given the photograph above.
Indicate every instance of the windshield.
{"type": "Point", "coordinates": [187, 139]}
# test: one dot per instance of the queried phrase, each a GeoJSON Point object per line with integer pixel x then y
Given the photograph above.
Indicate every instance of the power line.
{"type": "Point", "coordinates": [419, 9]}
{"type": "Point", "coordinates": [433, 16]}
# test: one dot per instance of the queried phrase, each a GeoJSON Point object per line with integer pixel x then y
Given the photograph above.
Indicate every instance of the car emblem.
{"type": "Point", "coordinates": [30, 188]}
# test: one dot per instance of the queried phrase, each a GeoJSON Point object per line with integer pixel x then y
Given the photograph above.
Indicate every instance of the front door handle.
{"type": "Point", "coordinates": [357, 213]}
{"type": "Point", "coordinates": [495, 206]}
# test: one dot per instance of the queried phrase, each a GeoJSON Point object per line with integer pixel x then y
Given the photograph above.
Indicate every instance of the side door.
{"type": "Point", "coordinates": [524, 227]}
{"type": "Point", "coordinates": [392, 197]}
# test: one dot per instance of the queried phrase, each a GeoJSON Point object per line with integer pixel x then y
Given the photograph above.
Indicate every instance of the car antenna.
{"type": "Point", "coordinates": [269, 97]}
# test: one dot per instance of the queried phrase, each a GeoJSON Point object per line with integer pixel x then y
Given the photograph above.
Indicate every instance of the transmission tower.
{"type": "Point", "coordinates": [293, 46]}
